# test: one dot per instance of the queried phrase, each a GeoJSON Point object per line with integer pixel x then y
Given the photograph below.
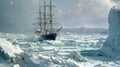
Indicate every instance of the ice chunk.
{"type": "Point", "coordinates": [9, 48]}
{"type": "Point", "coordinates": [76, 56]}
{"type": "Point", "coordinates": [16, 65]}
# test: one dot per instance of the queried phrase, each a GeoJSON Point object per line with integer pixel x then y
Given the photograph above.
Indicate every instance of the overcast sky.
{"type": "Point", "coordinates": [18, 15]}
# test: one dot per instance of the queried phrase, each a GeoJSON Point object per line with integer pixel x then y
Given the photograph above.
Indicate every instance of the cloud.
{"type": "Point", "coordinates": [90, 13]}
{"type": "Point", "coordinates": [116, 3]}
{"type": "Point", "coordinates": [109, 3]}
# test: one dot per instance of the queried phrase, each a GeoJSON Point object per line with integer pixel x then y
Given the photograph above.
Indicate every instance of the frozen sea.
{"type": "Point", "coordinates": [64, 52]}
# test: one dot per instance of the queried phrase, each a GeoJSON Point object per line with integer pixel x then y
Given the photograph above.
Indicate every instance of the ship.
{"type": "Point", "coordinates": [47, 29]}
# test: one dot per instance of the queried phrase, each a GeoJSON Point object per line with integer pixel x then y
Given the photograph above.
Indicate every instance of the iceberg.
{"type": "Point", "coordinates": [111, 46]}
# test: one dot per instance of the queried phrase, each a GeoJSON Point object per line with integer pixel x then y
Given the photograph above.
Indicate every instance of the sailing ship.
{"type": "Point", "coordinates": [47, 29]}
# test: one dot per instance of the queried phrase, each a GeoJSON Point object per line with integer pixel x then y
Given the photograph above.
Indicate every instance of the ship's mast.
{"type": "Point", "coordinates": [51, 17]}
{"type": "Point", "coordinates": [40, 15]}
{"type": "Point", "coordinates": [45, 23]}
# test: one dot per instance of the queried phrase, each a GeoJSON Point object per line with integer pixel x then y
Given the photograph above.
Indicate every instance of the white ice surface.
{"type": "Point", "coordinates": [8, 48]}
{"type": "Point", "coordinates": [60, 53]}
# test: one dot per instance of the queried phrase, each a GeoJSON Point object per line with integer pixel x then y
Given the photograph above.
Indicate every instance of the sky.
{"type": "Point", "coordinates": [19, 15]}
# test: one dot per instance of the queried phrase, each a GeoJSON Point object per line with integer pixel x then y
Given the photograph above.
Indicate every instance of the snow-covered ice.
{"type": "Point", "coordinates": [69, 50]}
{"type": "Point", "coordinates": [64, 52]}
{"type": "Point", "coordinates": [9, 49]}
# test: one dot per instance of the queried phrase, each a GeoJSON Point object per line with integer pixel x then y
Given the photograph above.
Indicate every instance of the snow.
{"type": "Point", "coordinates": [11, 2]}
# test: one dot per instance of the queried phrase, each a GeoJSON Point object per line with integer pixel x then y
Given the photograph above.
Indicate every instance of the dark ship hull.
{"type": "Point", "coordinates": [51, 36]}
